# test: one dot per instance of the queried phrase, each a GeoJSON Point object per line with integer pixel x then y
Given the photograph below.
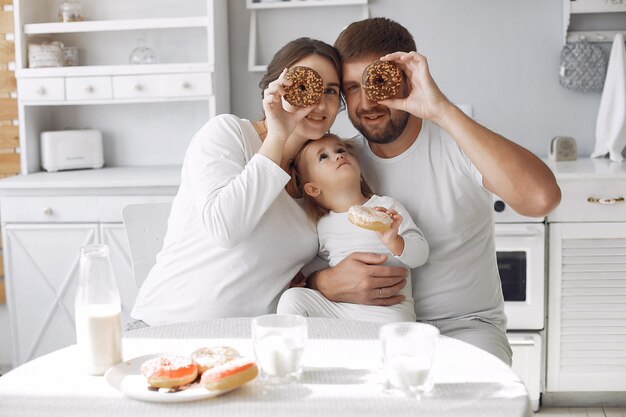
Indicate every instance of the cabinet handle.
{"type": "Point", "coordinates": [47, 211]}
{"type": "Point", "coordinates": [138, 87]}
{"type": "Point", "coordinates": [185, 85]}
{"type": "Point", "coordinates": [605, 201]}
{"type": "Point", "coordinates": [41, 91]}
{"type": "Point", "coordinates": [89, 89]}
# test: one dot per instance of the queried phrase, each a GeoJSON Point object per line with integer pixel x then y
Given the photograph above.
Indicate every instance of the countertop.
{"type": "Point", "coordinates": [165, 179]}
{"type": "Point", "coordinates": [143, 180]}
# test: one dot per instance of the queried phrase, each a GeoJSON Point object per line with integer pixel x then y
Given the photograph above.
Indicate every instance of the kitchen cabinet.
{"type": "Point", "coordinates": [584, 14]}
{"type": "Point", "coordinates": [587, 279]}
{"type": "Point", "coordinates": [256, 6]}
{"type": "Point", "coordinates": [46, 218]}
{"type": "Point", "coordinates": [147, 113]}
{"type": "Point", "coordinates": [187, 85]}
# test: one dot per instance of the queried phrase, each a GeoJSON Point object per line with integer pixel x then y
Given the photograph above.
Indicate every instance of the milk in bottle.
{"type": "Point", "coordinates": [98, 312]}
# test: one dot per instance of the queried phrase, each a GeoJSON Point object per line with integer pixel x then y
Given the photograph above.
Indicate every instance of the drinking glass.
{"type": "Point", "coordinates": [279, 341]}
{"type": "Point", "coordinates": [408, 351]}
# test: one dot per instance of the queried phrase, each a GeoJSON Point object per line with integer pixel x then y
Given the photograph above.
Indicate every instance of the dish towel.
{"type": "Point", "coordinates": [611, 122]}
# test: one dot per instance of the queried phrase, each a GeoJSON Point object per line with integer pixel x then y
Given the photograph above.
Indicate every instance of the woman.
{"type": "Point", "coordinates": [235, 237]}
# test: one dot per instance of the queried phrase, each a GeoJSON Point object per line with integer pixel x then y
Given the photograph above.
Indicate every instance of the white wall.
{"type": "Point", "coordinates": [500, 56]}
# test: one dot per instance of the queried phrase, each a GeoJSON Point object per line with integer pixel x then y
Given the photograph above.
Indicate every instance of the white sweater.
{"type": "Point", "coordinates": [235, 238]}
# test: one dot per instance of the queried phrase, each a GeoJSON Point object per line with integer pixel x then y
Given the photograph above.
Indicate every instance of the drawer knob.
{"type": "Point", "coordinates": [605, 201]}
{"type": "Point", "coordinates": [47, 211]}
{"type": "Point", "coordinates": [185, 85]}
{"type": "Point", "coordinates": [89, 89]}
{"type": "Point", "coordinates": [138, 87]}
{"type": "Point", "coordinates": [41, 91]}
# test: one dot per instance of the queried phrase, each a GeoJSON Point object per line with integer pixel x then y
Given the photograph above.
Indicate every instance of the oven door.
{"type": "Point", "coordinates": [520, 249]}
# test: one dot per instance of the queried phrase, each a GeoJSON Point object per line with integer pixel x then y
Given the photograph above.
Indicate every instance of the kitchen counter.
{"type": "Point", "coordinates": [587, 168]}
{"type": "Point", "coordinates": [140, 180]}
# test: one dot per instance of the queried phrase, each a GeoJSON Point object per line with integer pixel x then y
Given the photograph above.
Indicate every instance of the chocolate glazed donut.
{"type": "Point", "coordinates": [307, 87]}
{"type": "Point", "coordinates": [381, 80]}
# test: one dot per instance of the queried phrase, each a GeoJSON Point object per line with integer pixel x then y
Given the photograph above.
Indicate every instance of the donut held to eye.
{"type": "Point", "coordinates": [307, 87]}
{"type": "Point", "coordinates": [369, 218]}
{"type": "Point", "coordinates": [381, 80]}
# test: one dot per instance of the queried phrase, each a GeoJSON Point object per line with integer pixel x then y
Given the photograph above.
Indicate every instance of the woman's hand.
{"type": "Point", "coordinates": [425, 100]}
{"type": "Point", "coordinates": [280, 122]}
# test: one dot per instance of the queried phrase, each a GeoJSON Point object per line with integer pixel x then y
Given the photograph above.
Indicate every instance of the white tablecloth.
{"type": "Point", "coordinates": [342, 377]}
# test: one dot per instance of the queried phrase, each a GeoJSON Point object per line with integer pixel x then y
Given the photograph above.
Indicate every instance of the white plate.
{"type": "Point", "coordinates": [126, 377]}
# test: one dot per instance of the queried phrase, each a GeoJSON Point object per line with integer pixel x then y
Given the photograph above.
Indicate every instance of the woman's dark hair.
{"type": "Point", "coordinates": [375, 36]}
{"type": "Point", "coordinates": [294, 51]}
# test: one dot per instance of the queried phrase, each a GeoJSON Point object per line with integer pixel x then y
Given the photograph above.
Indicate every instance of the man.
{"type": "Point", "coordinates": [442, 166]}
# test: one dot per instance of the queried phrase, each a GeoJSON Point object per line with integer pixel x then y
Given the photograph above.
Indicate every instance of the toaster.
{"type": "Point", "coordinates": [71, 149]}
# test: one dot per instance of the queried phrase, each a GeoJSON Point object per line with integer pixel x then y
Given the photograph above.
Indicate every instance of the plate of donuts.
{"type": "Point", "coordinates": [168, 377]}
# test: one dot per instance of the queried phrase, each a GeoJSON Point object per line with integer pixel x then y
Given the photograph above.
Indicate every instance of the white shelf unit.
{"type": "Point", "coordinates": [256, 6]}
{"type": "Point", "coordinates": [582, 7]}
{"type": "Point", "coordinates": [147, 108]}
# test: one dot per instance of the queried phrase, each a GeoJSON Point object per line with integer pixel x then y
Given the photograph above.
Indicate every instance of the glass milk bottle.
{"type": "Point", "coordinates": [98, 312]}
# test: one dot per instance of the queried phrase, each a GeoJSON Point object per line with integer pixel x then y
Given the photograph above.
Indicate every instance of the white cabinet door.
{"type": "Point", "coordinates": [114, 236]}
{"type": "Point", "coordinates": [586, 307]}
{"type": "Point", "coordinates": [41, 272]}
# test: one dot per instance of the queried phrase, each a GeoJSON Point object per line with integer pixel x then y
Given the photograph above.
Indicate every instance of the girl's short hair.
{"type": "Point", "coordinates": [295, 187]}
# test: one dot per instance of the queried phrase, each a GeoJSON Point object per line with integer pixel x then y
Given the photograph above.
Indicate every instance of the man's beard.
{"type": "Point", "coordinates": [393, 129]}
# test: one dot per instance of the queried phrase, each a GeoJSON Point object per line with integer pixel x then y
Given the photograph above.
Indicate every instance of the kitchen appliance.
{"type": "Point", "coordinates": [520, 251]}
{"type": "Point", "coordinates": [562, 148]}
{"type": "Point", "coordinates": [71, 149]}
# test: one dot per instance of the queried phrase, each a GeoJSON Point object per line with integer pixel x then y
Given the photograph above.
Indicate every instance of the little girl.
{"type": "Point", "coordinates": [328, 176]}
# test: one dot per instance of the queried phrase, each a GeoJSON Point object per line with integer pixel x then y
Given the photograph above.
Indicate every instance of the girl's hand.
{"type": "Point", "coordinates": [390, 235]}
{"type": "Point", "coordinates": [425, 100]}
{"type": "Point", "coordinates": [280, 122]}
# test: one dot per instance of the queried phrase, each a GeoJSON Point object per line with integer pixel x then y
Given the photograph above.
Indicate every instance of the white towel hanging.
{"type": "Point", "coordinates": [611, 121]}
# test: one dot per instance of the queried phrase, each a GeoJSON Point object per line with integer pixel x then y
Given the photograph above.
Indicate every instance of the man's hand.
{"type": "Point", "coordinates": [425, 99]}
{"type": "Point", "coordinates": [362, 279]}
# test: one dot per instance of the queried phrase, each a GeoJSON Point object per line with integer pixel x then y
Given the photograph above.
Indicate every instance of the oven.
{"type": "Point", "coordinates": [520, 252]}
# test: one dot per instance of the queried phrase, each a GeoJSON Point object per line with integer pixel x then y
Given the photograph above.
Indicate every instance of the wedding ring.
{"type": "Point", "coordinates": [380, 293]}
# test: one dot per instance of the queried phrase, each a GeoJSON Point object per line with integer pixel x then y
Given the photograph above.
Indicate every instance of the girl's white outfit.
{"type": "Point", "coordinates": [235, 238]}
{"type": "Point", "coordinates": [339, 238]}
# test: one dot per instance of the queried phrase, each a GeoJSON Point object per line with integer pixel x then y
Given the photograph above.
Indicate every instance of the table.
{"type": "Point", "coordinates": [342, 376]}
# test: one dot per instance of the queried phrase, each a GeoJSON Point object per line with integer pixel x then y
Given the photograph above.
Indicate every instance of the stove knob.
{"type": "Point", "coordinates": [499, 206]}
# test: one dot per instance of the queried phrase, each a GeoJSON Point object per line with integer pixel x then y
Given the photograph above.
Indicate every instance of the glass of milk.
{"type": "Point", "coordinates": [279, 341]}
{"type": "Point", "coordinates": [408, 350]}
{"type": "Point", "coordinates": [97, 312]}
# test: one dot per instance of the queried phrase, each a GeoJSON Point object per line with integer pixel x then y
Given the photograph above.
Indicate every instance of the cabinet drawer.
{"type": "Point", "coordinates": [49, 209]}
{"type": "Point", "coordinates": [136, 86]}
{"type": "Point", "coordinates": [185, 85]}
{"type": "Point", "coordinates": [41, 89]}
{"type": "Point", "coordinates": [591, 200]}
{"type": "Point", "coordinates": [74, 209]}
{"type": "Point", "coordinates": [88, 88]}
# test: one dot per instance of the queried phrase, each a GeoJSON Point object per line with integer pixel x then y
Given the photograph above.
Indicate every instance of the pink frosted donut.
{"type": "Point", "coordinates": [369, 218]}
{"type": "Point", "coordinates": [169, 371]}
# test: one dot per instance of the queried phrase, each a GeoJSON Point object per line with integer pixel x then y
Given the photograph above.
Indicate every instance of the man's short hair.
{"type": "Point", "coordinates": [374, 36]}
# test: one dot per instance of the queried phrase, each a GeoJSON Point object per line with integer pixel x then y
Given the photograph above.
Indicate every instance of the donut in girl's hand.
{"type": "Point", "coordinates": [169, 371]}
{"type": "Point", "coordinates": [307, 87]}
{"type": "Point", "coordinates": [229, 375]}
{"type": "Point", "coordinates": [369, 218]}
{"type": "Point", "coordinates": [381, 80]}
{"type": "Point", "coordinates": [209, 356]}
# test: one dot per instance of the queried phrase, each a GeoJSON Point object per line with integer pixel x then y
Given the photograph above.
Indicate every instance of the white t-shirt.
{"type": "Point", "coordinates": [443, 192]}
{"type": "Point", "coordinates": [339, 238]}
{"type": "Point", "coordinates": [235, 238]}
